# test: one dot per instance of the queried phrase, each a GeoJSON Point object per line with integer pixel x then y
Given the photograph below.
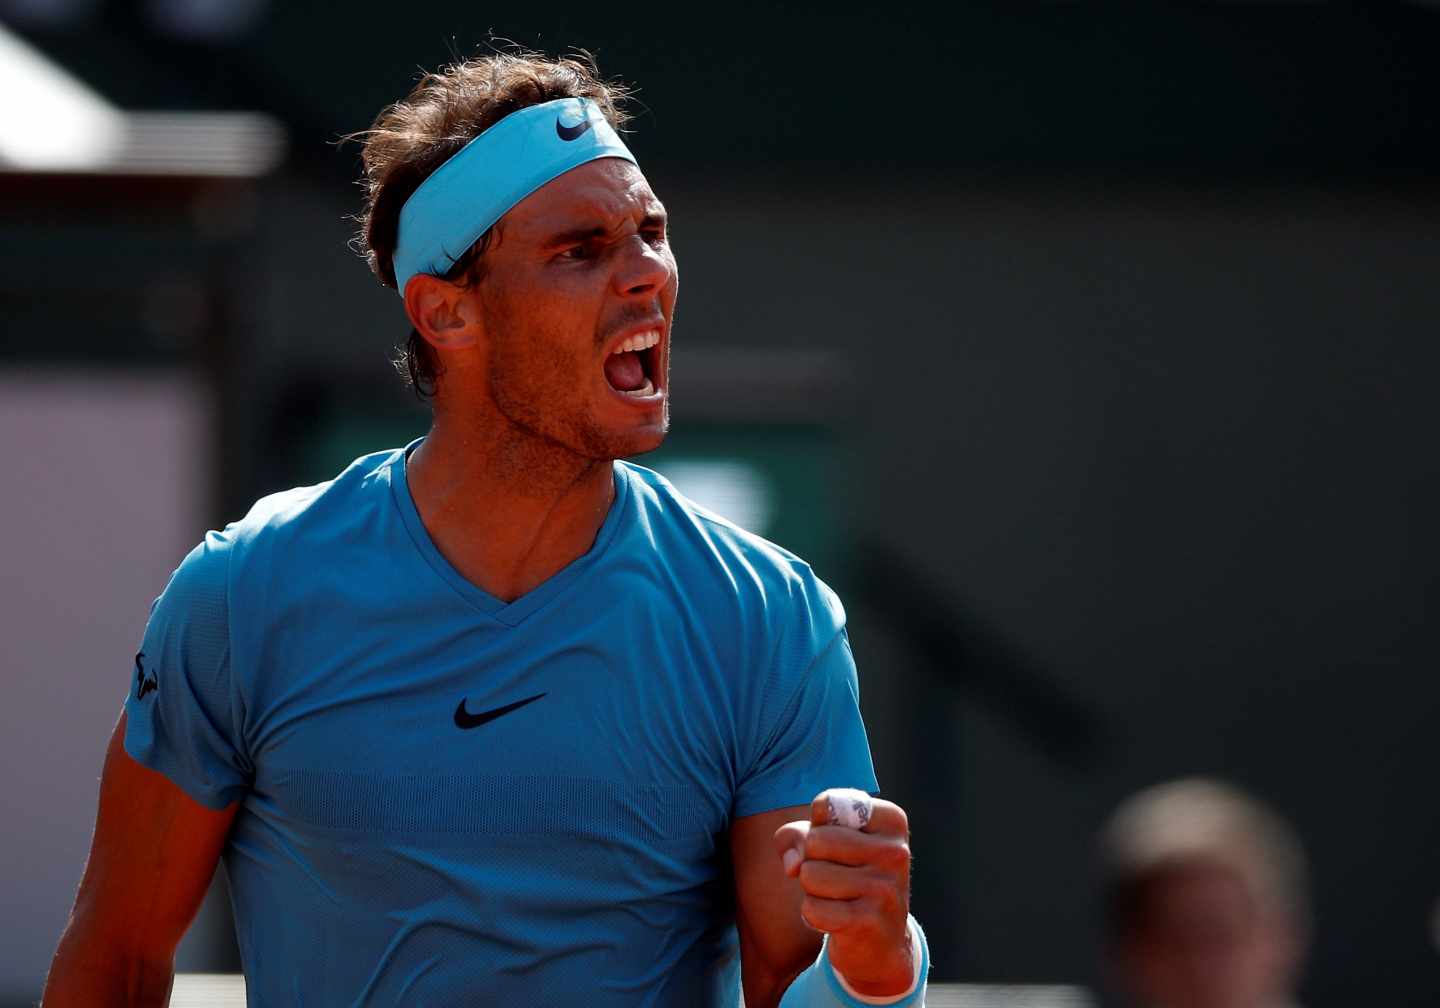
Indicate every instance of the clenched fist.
{"type": "Point", "coordinates": [853, 861]}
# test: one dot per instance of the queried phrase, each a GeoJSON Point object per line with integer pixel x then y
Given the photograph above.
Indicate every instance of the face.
{"type": "Point", "coordinates": [576, 302]}
{"type": "Point", "coordinates": [1201, 941]}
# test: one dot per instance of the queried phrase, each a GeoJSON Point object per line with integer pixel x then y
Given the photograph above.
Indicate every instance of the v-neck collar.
{"type": "Point", "coordinates": [508, 613]}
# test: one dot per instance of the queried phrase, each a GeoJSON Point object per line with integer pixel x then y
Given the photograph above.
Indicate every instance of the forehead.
{"type": "Point", "coordinates": [600, 192]}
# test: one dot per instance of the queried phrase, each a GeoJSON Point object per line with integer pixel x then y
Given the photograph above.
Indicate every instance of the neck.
{"type": "Point", "coordinates": [507, 509]}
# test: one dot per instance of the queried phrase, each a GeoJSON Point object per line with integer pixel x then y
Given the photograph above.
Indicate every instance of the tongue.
{"type": "Point", "coordinates": [624, 372]}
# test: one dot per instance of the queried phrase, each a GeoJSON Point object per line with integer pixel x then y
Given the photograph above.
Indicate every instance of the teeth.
{"type": "Point", "coordinates": [640, 341]}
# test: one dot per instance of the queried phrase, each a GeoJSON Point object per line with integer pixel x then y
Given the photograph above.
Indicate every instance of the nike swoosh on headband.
{"type": "Point", "coordinates": [571, 132]}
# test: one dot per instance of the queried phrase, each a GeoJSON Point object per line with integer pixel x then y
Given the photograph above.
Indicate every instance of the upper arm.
{"type": "Point", "coordinates": [185, 713]}
{"type": "Point", "coordinates": [812, 738]}
{"type": "Point", "coordinates": [175, 769]}
{"type": "Point", "coordinates": [775, 944]}
{"type": "Point", "coordinates": [151, 860]}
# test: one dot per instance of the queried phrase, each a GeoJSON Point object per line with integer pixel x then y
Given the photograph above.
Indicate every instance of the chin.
{"type": "Point", "coordinates": [643, 446]}
{"type": "Point", "coordinates": [639, 441]}
{"type": "Point", "coordinates": [635, 434]}
{"type": "Point", "coordinates": [599, 441]}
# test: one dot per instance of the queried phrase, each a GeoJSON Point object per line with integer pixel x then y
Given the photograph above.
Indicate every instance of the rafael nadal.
{"type": "Point", "coordinates": [496, 718]}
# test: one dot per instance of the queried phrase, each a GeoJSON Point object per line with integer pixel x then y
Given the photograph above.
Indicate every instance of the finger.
{"type": "Point", "coordinates": [827, 915]}
{"type": "Point", "coordinates": [828, 880]}
{"type": "Point", "coordinates": [842, 846]}
{"type": "Point", "coordinates": [883, 816]}
{"type": "Point", "coordinates": [841, 807]}
{"type": "Point", "coordinates": [790, 845]}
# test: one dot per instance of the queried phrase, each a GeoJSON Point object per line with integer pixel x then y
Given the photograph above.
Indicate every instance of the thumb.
{"type": "Point", "coordinates": [790, 845]}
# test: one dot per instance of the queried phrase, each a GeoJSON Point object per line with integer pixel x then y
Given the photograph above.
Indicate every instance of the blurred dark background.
{"type": "Point", "coordinates": [1088, 349]}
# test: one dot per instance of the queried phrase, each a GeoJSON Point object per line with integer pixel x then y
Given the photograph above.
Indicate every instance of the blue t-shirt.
{"type": "Point", "coordinates": [321, 663]}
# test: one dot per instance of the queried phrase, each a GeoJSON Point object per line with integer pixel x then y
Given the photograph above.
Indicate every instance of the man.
{"type": "Point", "coordinates": [1205, 893]}
{"type": "Point", "coordinates": [494, 718]}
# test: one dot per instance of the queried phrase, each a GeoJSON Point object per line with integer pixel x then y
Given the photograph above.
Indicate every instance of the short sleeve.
{"type": "Point", "coordinates": [818, 741]}
{"type": "Point", "coordinates": [181, 716]}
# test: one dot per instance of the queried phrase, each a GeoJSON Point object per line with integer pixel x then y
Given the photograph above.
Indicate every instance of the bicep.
{"type": "Point", "coordinates": [151, 859]}
{"type": "Point", "coordinates": [775, 943]}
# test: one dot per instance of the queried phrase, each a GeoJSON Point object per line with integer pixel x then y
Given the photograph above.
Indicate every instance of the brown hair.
{"type": "Point", "coordinates": [441, 114]}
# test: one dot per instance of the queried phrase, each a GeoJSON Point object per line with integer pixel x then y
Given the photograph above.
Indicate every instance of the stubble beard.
{"type": "Point", "coordinates": [548, 440]}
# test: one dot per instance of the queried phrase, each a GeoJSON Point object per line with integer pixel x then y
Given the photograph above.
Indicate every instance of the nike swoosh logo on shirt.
{"type": "Point", "coordinates": [464, 719]}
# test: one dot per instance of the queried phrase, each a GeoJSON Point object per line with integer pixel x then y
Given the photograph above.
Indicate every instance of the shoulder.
{"type": "Point", "coordinates": [269, 530]}
{"type": "Point", "coordinates": [277, 520]}
{"type": "Point", "coordinates": [706, 549]}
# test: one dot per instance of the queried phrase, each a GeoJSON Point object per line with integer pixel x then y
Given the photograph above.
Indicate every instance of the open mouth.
{"type": "Point", "coordinates": [631, 368]}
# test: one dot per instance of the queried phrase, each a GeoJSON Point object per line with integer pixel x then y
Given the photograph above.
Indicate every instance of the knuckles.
{"type": "Point", "coordinates": [841, 845]}
{"type": "Point", "coordinates": [880, 890]}
{"type": "Point", "coordinates": [896, 855]}
{"type": "Point", "coordinates": [874, 889]}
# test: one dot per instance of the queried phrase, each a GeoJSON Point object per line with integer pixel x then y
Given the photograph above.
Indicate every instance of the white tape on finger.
{"type": "Point", "coordinates": [848, 807]}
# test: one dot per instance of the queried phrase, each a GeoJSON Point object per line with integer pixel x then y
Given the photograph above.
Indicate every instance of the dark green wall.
{"type": "Point", "coordinates": [1260, 90]}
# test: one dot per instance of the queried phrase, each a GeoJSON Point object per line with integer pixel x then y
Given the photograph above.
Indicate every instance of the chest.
{"type": "Point", "coordinates": [616, 719]}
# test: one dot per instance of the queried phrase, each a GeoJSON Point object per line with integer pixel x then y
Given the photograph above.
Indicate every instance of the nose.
{"type": "Point", "coordinates": [645, 268]}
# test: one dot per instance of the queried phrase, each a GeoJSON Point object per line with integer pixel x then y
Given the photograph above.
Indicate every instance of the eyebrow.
{"type": "Point", "coordinates": [576, 236]}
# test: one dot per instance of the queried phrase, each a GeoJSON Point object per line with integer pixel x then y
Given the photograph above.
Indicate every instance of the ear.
{"type": "Point", "coordinates": [440, 312]}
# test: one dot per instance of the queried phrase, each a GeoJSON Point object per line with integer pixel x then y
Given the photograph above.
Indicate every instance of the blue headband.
{"type": "Point", "coordinates": [467, 194]}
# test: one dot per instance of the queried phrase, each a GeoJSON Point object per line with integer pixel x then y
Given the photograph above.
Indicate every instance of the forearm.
{"type": "Point", "coordinates": [90, 969]}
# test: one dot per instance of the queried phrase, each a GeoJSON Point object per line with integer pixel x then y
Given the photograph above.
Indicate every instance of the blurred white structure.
{"type": "Point", "coordinates": [54, 123]}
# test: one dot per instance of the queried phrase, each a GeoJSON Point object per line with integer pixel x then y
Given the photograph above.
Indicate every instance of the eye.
{"type": "Point", "coordinates": [576, 252]}
{"type": "Point", "coordinates": [655, 235]}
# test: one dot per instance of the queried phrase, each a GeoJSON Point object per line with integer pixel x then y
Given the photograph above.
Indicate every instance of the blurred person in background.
{"type": "Point", "coordinates": [1205, 895]}
{"type": "Point", "coordinates": [496, 718]}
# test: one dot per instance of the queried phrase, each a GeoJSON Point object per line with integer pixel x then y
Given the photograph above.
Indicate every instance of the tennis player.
{"type": "Point", "coordinates": [496, 718]}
